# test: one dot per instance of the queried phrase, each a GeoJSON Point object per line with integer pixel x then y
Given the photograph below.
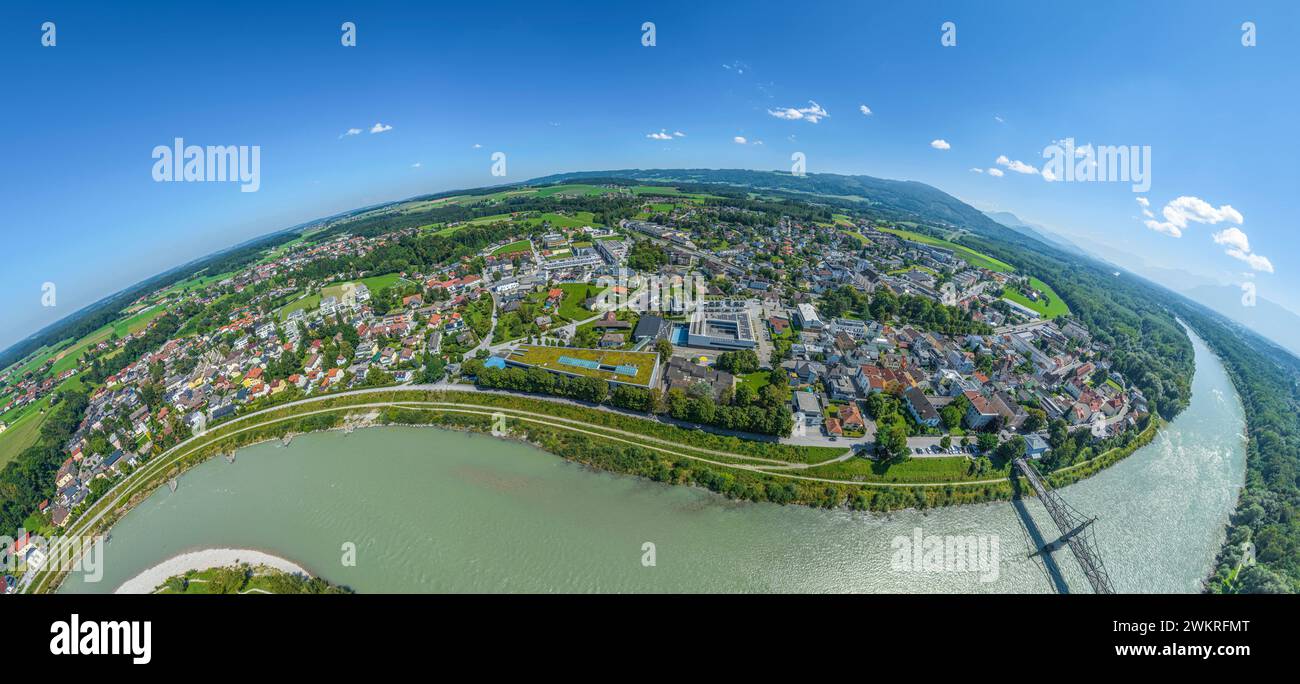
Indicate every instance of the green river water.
{"type": "Point", "coordinates": [430, 510]}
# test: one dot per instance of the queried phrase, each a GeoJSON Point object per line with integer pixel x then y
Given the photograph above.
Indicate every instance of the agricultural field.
{"type": "Point", "coordinates": [21, 434]}
{"type": "Point", "coordinates": [972, 257]}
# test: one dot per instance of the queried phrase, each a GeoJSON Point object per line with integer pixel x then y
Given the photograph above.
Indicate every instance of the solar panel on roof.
{"type": "Point", "coordinates": [581, 363]}
{"type": "Point", "coordinates": [625, 370]}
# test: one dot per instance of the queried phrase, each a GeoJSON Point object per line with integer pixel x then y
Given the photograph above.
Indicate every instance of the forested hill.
{"type": "Point", "coordinates": [891, 199]}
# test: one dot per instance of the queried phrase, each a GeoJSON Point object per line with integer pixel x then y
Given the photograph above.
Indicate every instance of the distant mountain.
{"type": "Point", "coordinates": [1032, 230]}
{"type": "Point", "coordinates": [1272, 320]}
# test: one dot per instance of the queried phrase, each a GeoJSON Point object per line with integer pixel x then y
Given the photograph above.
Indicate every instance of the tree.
{"type": "Point", "coordinates": [891, 439]}
{"type": "Point", "coordinates": [741, 362]}
{"type": "Point", "coordinates": [945, 442]}
{"type": "Point", "coordinates": [665, 349]}
{"type": "Point", "coordinates": [951, 416]}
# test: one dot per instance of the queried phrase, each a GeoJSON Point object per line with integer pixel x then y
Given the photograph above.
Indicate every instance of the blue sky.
{"type": "Point", "coordinates": [567, 88]}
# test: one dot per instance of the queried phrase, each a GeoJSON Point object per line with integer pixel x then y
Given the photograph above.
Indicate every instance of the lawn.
{"type": "Point", "coordinates": [308, 303]}
{"type": "Point", "coordinates": [574, 295]}
{"type": "Point", "coordinates": [312, 301]}
{"type": "Point", "coordinates": [517, 246]}
{"type": "Point", "coordinates": [758, 380]}
{"type": "Point", "coordinates": [937, 469]}
{"type": "Point", "coordinates": [1056, 307]}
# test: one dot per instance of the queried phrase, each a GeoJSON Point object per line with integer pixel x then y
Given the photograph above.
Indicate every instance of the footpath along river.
{"type": "Point", "coordinates": [430, 510]}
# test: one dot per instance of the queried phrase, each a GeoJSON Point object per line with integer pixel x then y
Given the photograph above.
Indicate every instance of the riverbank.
{"type": "Point", "coordinates": [149, 580]}
{"type": "Point", "coordinates": [602, 440]}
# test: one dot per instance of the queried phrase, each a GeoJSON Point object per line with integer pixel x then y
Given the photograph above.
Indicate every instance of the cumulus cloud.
{"type": "Point", "coordinates": [940, 144]}
{"type": "Point", "coordinates": [661, 135]}
{"type": "Point", "coordinates": [996, 173]}
{"type": "Point", "coordinates": [351, 131]}
{"type": "Point", "coordinates": [380, 128]}
{"type": "Point", "coordinates": [739, 140]}
{"type": "Point", "coordinates": [1186, 209]}
{"type": "Point", "coordinates": [1255, 261]}
{"type": "Point", "coordinates": [1232, 237]}
{"type": "Point", "coordinates": [1238, 247]}
{"type": "Point", "coordinates": [678, 134]}
{"type": "Point", "coordinates": [1015, 165]}
{"type": "Point", "coordinates": [812, 113]}
{"type": "Point", "coordinates": [866, 111]}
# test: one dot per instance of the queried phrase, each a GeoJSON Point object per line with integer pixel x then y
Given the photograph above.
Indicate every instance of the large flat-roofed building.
{"type": "Point", "coordinates": [806, 317]}
{"type": "Point", "coordinates": [639, 369]}
{"type": "Point", "coordinates": [721, 329]}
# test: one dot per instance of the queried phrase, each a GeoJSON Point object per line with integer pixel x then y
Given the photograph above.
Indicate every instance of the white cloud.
{"type": "Point", "coordinates": [757, 142]}
{"type": "Point", "coordinates": [380, 128]}
{"type": "Point", "coordinates": [1144, 201]}
{"type": "Point", "coordinates": [866, 111]}
{"type": "Point", "coordinates": [1238, 247]}
{"type": "Point", "coordinates": [1015, 165]}
{"type": "Point", "coordinates": [1186, 209]}
{"type": "Point", "coordinates": [1167, 228]}
{"type": "Point", "coordinates": [1146, 206]}
{"type": "Point", "coordinates": [678, 134]}
{"type": "Point", "coordinates": [661, 135]}
{"type": "Point", "coordinates": [476, 146]}
{"type": "Point", "coordinates": [739, 140]}
{"type": "Point", "coordinates": [977, 170]}
{"type": "Point", "coordinates": [998, 119]}
{"type": "Point", "coordinates": [1255, 261]}
{"type": "Point", "coordinates": [812, 113]}
{"type": "Point", "coordinates": [416, 165]}
{"type": "Point", "coordinates": [940, 144]}
{"type": "Point", "coordinates": [351, 131]}
{"type": "Point", "coordinates": [996, 173]}
{"type": "Point", "coordinates": [1232, 237]}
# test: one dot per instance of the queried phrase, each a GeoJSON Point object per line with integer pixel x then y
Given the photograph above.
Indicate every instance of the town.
{"type": "Point", "coordinates": [725, 314]}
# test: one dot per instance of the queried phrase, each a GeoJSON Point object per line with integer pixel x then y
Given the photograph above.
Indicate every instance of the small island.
{"type": "Point", "coordinates": [246, 578]}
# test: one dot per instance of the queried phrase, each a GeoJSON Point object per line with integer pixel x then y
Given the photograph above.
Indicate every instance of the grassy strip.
{"type": "Point", "coordinates": [1078, 471]}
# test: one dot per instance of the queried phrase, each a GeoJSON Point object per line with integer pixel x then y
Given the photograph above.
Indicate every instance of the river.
{"type": "Point", "coordinates": [399, 509]}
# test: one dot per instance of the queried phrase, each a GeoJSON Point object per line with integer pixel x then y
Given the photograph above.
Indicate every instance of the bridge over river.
{"type": "Point", "coordinates": [1075, 527]}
